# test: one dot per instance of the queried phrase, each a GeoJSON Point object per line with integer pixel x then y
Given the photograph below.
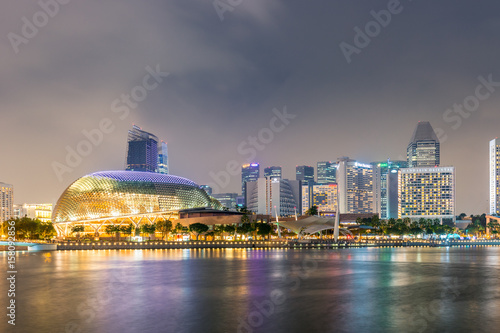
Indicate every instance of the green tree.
{"type": "Point", "coordinates": [198, 228]}
{"type": "Point", "coordinates": [127, 229]}
{"type": "Point", "coordinates": [264, 229]}
{"type": "Point", "coordinates": [218, 230]}
{"type": "Point", "coordinates": [46, 230]}
{"type": "Point", "coordinates": [112, 229]}
{"type": "Point", "coordinates": [245, 228]}
{"type": "Point", "coordinates": [148, 229]}
{"type": "Point", "coordinates": [230, 229]}
{"type": "Point", "coordinates": [77, 229]}
{"type": "Point", "coordinates": [27, 228]}
{"type": "Point", "coordinates": [312, 211]}
{"type": "Point", "coordinates": [165, 227]}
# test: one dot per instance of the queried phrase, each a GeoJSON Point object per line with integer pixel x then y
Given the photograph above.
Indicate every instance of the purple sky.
{"type": "Point", "coordinates": [226, 77]}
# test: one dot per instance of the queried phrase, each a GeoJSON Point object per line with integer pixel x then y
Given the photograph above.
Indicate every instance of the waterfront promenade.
{"type": "Point", "coordinates": [285, 244]}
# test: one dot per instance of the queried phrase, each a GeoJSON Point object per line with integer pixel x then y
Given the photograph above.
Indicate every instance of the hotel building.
{"type": "Point", "coordinates": [426, 193]}
{"type": "Point", "coordinates": [6, 201]}
{"type": "Point", "coordinates": [323, 196]}
{"type": "Point", "coordinates": [268, 197]}
{"type": "Point", "coordinates": [495, 177]}
{"type": "Point", "coordinates": [355, 187]}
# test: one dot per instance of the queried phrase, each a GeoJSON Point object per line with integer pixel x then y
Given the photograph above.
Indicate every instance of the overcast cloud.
{"type": "Point", "coordinates": [225, 78]}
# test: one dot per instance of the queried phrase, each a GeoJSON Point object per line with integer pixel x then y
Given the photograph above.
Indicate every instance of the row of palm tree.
{"type": "Point", "coordinates": [165, 227]}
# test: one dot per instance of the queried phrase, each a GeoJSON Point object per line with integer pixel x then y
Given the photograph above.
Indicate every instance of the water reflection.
{"type": "Point", "coordinates": [217, 290]}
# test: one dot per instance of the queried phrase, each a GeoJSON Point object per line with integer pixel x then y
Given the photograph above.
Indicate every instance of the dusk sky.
{"type": "Point", "coordinates": [226, 77]}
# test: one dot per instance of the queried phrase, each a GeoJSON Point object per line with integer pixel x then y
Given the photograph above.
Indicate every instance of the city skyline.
{"type": "Point", "coordinates": [207, 96]}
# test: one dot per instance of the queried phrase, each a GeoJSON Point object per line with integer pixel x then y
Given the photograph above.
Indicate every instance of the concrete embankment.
{"type": "Point", "coordinates": [168, 245]}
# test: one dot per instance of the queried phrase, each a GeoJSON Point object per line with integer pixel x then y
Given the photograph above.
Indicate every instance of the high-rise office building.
{"type": "Point", "coordinates": [323, 196]}
{"type": "Point", "coordinates": [327, 172]}
{"type": "Point", "coordinates": [383, 195]}
{"type": "Point", "coordinates": [162, 158]}
{"type": "Point", "coordinates": [249, 173]}
{"type": "Point", "coordinates": [495, 177]}
{"type": "Point", "coordinates": [424, 147]}
{"type": "Point", "coordinates": [273, 172]}
{"type": "Point", "coordinates": [207, 189]}
{"type": "Point", "coordinates": [355, 187]}
{"type": "Point", "coordinates": [277, 196]}
{"type": "Point", "coordinates": [142, 152]}
{"type": "Point", "coordinates": [228, 200]}
{"type": "Point", "coordinates": [6, 201]}
{"type": "Point", "coordinates": [305, 174]}
{"type": "Point", "coordinates": [427, 193]}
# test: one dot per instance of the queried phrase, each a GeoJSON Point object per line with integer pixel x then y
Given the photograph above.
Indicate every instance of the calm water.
{"type": "Point", "coordinates": [355, 290]}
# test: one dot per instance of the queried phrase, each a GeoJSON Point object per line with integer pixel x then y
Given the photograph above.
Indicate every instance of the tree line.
{"type": "Point", "coordinates": [166, 228]}
{"type": "Point", "coordinates": [28, 228]}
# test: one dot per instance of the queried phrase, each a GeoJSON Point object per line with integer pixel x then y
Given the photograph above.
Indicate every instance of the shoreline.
{"type": "Point", "coordinates": [272, 244]}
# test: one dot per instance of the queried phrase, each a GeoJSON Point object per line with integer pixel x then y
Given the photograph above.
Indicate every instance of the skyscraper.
{"type": "Point", "coordinates": [495, 177]}
{"type": "Point", "coordinates": [323, 196]}
{"type": "Point", "coordinates": [327, 173]}
{"type": "Point", "coordinates": [277, 196]}
{"type": "Point", "coordinates": [227, 200]}
{"type": "Point", "coordinates": [162, 158]}
{"type": "Point", "coordinates": [424, 147]}
{"type": "Point", "coordinates": [273, 172]}
{"type": "Point", "coordinates": [6, 201]}
{"type": "Point", "coordinates": [383, 193]}
{"type": "Point", "coordinates": [207, 189]}
{"type": "Point", "coordinates": [249, 172]}
{"type": "Point", "coordinates": [142, 150]}
{"type": "Point", "coordinates": [355, 187]}
{"type": "Point", "coordinates": [427, 193]}
{"type": "Point", "coordinates": [305, 174]}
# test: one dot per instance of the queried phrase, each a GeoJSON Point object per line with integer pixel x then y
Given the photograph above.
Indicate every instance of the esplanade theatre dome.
{"type": "Point", "coordinates": [115, 194]}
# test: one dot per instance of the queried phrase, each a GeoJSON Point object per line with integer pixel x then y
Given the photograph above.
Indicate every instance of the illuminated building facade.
{"type": "Point", "coordinates": [6, 201]}
{"type": "Point", "coordinates": [355, 187]}
{"type": "Point", "coordinates": [268, 197]}
{"type": "Point", "coordinates": [424, 149]}
{"type": "Point", "coordinates": [115, 197]}
{"type": "Point", "coordinates": [495, 177]}
{"type": "Point", "coordinates": [207, 189]}
{"type": "Point", "coordinates": [142, 150]}
{"type": "Point", "coordinates": [383, 193]}
{"type": "Point", "coordinates": [162, 165]}
{"type": "Point", "coordinates": [249, 173]}
{"type": "Point", "coordinates": [427, 193]}
{"type": "Point", "coordinates": [273, 172]}
{"type": "Point", "coordinates": [327, 173]}
{"type": "Point", "coordinates": [42, 212]}
{"type": "Point", "coordinates": [323, 196]}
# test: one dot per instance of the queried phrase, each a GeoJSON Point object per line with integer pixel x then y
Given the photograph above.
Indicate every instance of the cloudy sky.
{"type": "Point", "coordinates": [227, 75]}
